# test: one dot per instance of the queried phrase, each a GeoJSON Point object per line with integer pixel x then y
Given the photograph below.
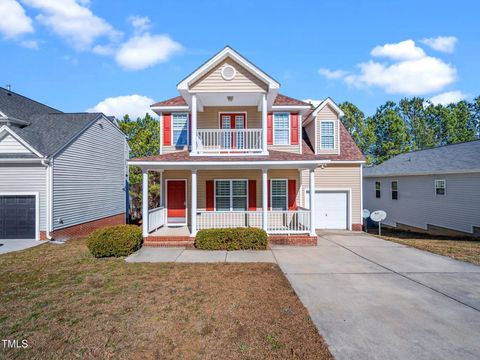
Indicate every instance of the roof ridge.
{"type": "Point", "coordinates": [436, 147]}
{"type": "Point", "coordinates": [26, 97]}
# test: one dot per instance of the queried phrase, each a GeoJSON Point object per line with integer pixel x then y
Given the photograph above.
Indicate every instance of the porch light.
{"type": "Point", "coordinates": [230, 98]}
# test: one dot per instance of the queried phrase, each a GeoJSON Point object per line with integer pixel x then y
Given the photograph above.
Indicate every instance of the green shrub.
{"type": "Point", "coordinates": [119, 240]}
{"type": "Point", "coordinates": [231, 239]}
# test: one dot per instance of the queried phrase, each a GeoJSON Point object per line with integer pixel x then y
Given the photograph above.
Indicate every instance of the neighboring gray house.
{"type": "Point", "coordinates": [435, 190]}
{"type": "Point", "coordinates": [61, 174]}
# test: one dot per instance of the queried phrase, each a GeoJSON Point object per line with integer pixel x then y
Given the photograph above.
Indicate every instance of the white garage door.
{"type": "Point", "coordinates": [331, 209]}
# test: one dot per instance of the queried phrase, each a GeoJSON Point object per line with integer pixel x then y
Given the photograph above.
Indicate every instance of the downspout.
{"type": "Point", "coordinates": [49, 165]}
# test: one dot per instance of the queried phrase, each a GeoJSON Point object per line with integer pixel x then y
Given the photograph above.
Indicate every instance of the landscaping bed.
{"type": "Point", "coordinates": [68, 304]}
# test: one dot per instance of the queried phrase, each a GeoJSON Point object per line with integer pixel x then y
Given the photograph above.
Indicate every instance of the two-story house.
{"type": "Point", "coordinates": [235, 152]}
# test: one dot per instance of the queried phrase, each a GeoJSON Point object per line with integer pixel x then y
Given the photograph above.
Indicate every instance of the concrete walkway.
{"type": "Point", "coordinates": [182, 255]}
{"type": "Point", "coordinates": [374, 299]}
{"type": "Point", "coordinates": [11, 245]}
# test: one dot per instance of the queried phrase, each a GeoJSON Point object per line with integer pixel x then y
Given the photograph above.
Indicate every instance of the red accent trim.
{"type": "Point", "coordinates": [269, 185]}
{"type": "Point", "coordinates": [252, 195]}
{"type": "Point", "coordinates": [294, 128]}
{"type": "Point", "coordinates": [292, 195]}
{"type": "Point", "coordinates": [167, 129]}
{"type": "Point", "coordinates": [209, 191]}
{"type": "Point", "coordinates": [270, 129]}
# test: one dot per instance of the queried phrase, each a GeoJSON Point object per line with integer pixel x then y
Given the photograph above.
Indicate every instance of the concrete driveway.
{"type": "Point", "coordinates": [374, 299]}
{"type": "Point", "coordinates": [11, 245]}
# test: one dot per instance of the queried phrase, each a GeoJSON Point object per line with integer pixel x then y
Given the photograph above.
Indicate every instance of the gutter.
{"type": "Point", "coordinates": [49, 166]}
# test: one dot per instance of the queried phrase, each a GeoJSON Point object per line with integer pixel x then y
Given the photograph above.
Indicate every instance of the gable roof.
{"type": "Point", "coordinates": [47, 129]}
{"type": "Point", "coordinates": [456, 158]}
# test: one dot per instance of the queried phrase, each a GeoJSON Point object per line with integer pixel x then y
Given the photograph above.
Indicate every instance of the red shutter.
{"type": "Point", "coordinates": [292, 195]}
{"type": "Point", "coordinates": [270, 129]}
{"type": "Point", "coordinates": [268, 193]}
{"type": "Point", "coordinates": [167, 129]}
{"type": "Point", "coordinates": [252, 195]}
{"type": "Point", "coordinates": [210, 196]}
{"type": "Point", "coordinates": [190, 129]}
{"type": "Point", "coordinates": [294, 128]}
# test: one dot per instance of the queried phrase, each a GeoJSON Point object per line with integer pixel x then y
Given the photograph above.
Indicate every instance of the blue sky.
{"type": "Point", "coordinates": [97, 54]}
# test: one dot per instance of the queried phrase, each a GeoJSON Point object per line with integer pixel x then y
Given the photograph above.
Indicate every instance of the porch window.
{"type": "Point", "coordinates": [279, 195]}
{"type": "Point", "coordinates": [231, 195]}
{"type": "Point", "coordinates": [180, 129]}
{"type": "Point", "coordinates": [327, 135]}
{"type": "Point", "coordinates": [281, 127]}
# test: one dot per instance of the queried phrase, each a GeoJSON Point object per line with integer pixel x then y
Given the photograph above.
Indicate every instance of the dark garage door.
{"type": "Point", "coordinates": [17, 217]}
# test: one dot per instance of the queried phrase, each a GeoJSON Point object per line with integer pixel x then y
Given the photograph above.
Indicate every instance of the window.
{"type": "Point", "coordinates": [231, 195]}
{"type": "Point", "coordinates": [377, 189]}
{"type": "Point", "coordinates": [440, 187]}
{"type": "Point", "coordinates": [394, 190]}
{"type": "Point", "coordinates": [179, 129]}
{"type": "Point", "coordinates": [281, 128]}
{"type": "Point", "coordinates": [279, 194]}
{"type": "Point", "coordinates": [327, 129]}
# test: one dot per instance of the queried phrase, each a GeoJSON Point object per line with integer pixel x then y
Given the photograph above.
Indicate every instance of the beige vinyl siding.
{"type": "Point", "coordinates": [10, 145]}
{"type": "Point", "coordinates": [310, 130]}
{"type": "Point", "coordinates": [243, 80]}
{"type": "Point", "coordinates": [327, 113]}
{"type": "Point", "coordinates": [335, 176]}
{"type": "Point", "coordinates": [287, 148]}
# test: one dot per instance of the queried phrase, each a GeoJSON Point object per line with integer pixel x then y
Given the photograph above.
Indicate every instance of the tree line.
{"type": "Point", "coordinates": [412, 124]}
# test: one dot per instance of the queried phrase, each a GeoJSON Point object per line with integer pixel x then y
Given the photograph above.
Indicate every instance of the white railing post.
{"type": "Point", "coordinates": [264, 124]}
{"type": "Point", "coordinates": [145, 202]}
{"type": "Point", "coordinates": [264, 199]}
{"type": "Point", "coordinates": [311, 186]}
{"type": "Point", "coordinates": [193, 212]}
{"type": "Point", "coordinates": [193, 132]}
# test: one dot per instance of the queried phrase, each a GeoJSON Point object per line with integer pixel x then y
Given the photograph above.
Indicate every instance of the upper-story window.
{"type": "Point", "coordinates": [180, 129]}
{"type": "Point", "coordinates": [327, 131]}
{"type": "Point", "coordinates": [281, 128]}
{"type": "Point", "coordinates": [377, 189]}
{"type": "Point", "coordinates": [440, 187]}
{"type": "Point", "coordinates": [394, 190]}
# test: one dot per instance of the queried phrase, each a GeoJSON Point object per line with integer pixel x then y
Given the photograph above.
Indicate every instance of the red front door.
{"type": "Point", "coordinates": [176, 201]}
{"type": "Point", "coordinates": [233, 121]}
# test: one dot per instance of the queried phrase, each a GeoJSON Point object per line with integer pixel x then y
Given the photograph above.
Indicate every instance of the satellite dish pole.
{"type": "Point", "coordinates": [378, 216]}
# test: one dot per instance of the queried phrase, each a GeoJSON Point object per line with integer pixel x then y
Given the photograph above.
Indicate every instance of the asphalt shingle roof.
{"type": "Point", "coordinates": [49, 129]}
{"type": "Point", "coordinates": [451, 158]}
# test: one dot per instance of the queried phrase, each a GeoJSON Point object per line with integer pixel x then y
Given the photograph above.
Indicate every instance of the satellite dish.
{"type": "Point", "coordinates": [378, 215]}
{"type": "Point", "coordinates": [365, 213]}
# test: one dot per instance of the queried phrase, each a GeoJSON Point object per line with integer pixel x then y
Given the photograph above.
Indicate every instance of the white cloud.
{"type": "Point", "coordinates": [404, 50]}
{"type": "Point", "coordinates": [103, 50]}
{"type": "Point", "coordinates": [73, 21]}
{"type": "Point", "coordinates": [448, 97]}
{"type": "Point", "coordinates": [441, 43]}
{"type": "Point", "coordinates": [14, 22]}
{"type": "Point", "coordinates": [133, 105]}
{"type": "Point", "coordinates": [143, 51]}
{"type": "Point", "coordinates": [140, 23]}
{"type": "Point", "coordinates": [314, 102]}
{"type": "Point", "coordinates": [30, 44]}
{"type": "Point", "coordinates": [332, 74]}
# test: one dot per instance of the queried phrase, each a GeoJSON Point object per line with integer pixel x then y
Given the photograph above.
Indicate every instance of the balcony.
{"type": "Point", "coordinates": [229, 141]}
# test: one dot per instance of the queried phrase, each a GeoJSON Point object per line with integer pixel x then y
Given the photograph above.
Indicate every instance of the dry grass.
{"type": "Point", "coordinates": [460, 249]}
{"type": "Point", "coordinates": [69, 305]}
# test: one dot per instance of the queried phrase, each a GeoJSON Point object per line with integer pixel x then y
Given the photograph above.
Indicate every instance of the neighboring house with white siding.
{"type": "Point", "coordinates": [435, 190]}
{"type": "Point", "coordinates": [61, 174]}
{"type": "Point", "coordinates": [234, 152]}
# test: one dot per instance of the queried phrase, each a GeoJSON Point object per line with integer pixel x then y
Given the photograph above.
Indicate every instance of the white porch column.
{"type": "Point", "coordinates": [160, 200]}
{"type": "Point", "coordinates": [193, 132]}
{"type": "Point", "coordinates": [264, 199]}
{"type": "Point", "coordinates": [193, 221]}
{"type": "Point", "coordinates": [264, 123]}
{"type": "Point", "coordinates": [311, 187]}
{"type": "Point", "coordinates": [145, 202]}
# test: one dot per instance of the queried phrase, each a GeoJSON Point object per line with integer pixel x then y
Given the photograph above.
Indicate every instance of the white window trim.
{"type": "Point", "coordinates": [245, 113]}
{"type": "Point", "coordinates": [444, 187]}
{"type": "Point", "coordinates": [271, 194]}
{"type": "Point", "coordinates": [334, 135]}
{"type": "Point", "coordinates": [231, 194]}
{"type": "Point", "coordinates": [375, 189]}
{"type": "Point", "coordinates": [188, 128]}
{"type": "Point", "coordinates": [289, 127]}
{"type": "Point", "coordinates": [391, 189]}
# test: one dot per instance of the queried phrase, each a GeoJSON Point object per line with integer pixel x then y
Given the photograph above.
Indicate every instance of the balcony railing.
{"type": "Point", "coordinates": [229, 140]}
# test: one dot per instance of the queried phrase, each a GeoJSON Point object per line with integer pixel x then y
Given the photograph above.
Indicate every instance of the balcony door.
{"type": "Point", "coordinates": [233, 139]}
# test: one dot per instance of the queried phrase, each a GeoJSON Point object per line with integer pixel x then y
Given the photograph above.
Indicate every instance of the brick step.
{"type": "Point", "coordinates": [170, 243]}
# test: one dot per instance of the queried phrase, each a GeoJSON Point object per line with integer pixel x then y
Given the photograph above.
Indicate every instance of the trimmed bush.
{"type": "Point", "coordinates": [119, 240]}
{"type": "Point", "coordinates": [231, 239]}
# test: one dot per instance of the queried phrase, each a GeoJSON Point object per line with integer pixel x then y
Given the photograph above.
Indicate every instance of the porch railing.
{"type": "Point", "coordinates": [229, 140]}
{"type": "Point", "coordinates": [291, 221]}
{"type": "Point", "coordinates": [156, 218]}
{"type": "Point", "coordinates": [228, 219]}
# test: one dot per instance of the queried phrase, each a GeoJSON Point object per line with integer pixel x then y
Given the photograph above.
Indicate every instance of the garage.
{"type": "Point", "coordinates": [331, 209]}
{"type": "Point", "coordinates": [18, 216]}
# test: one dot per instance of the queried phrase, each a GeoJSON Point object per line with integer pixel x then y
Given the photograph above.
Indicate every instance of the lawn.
{"type": "Point", "coordinates": [460, 249]}
{"type": "Point", "coordinates": [67, 304]}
